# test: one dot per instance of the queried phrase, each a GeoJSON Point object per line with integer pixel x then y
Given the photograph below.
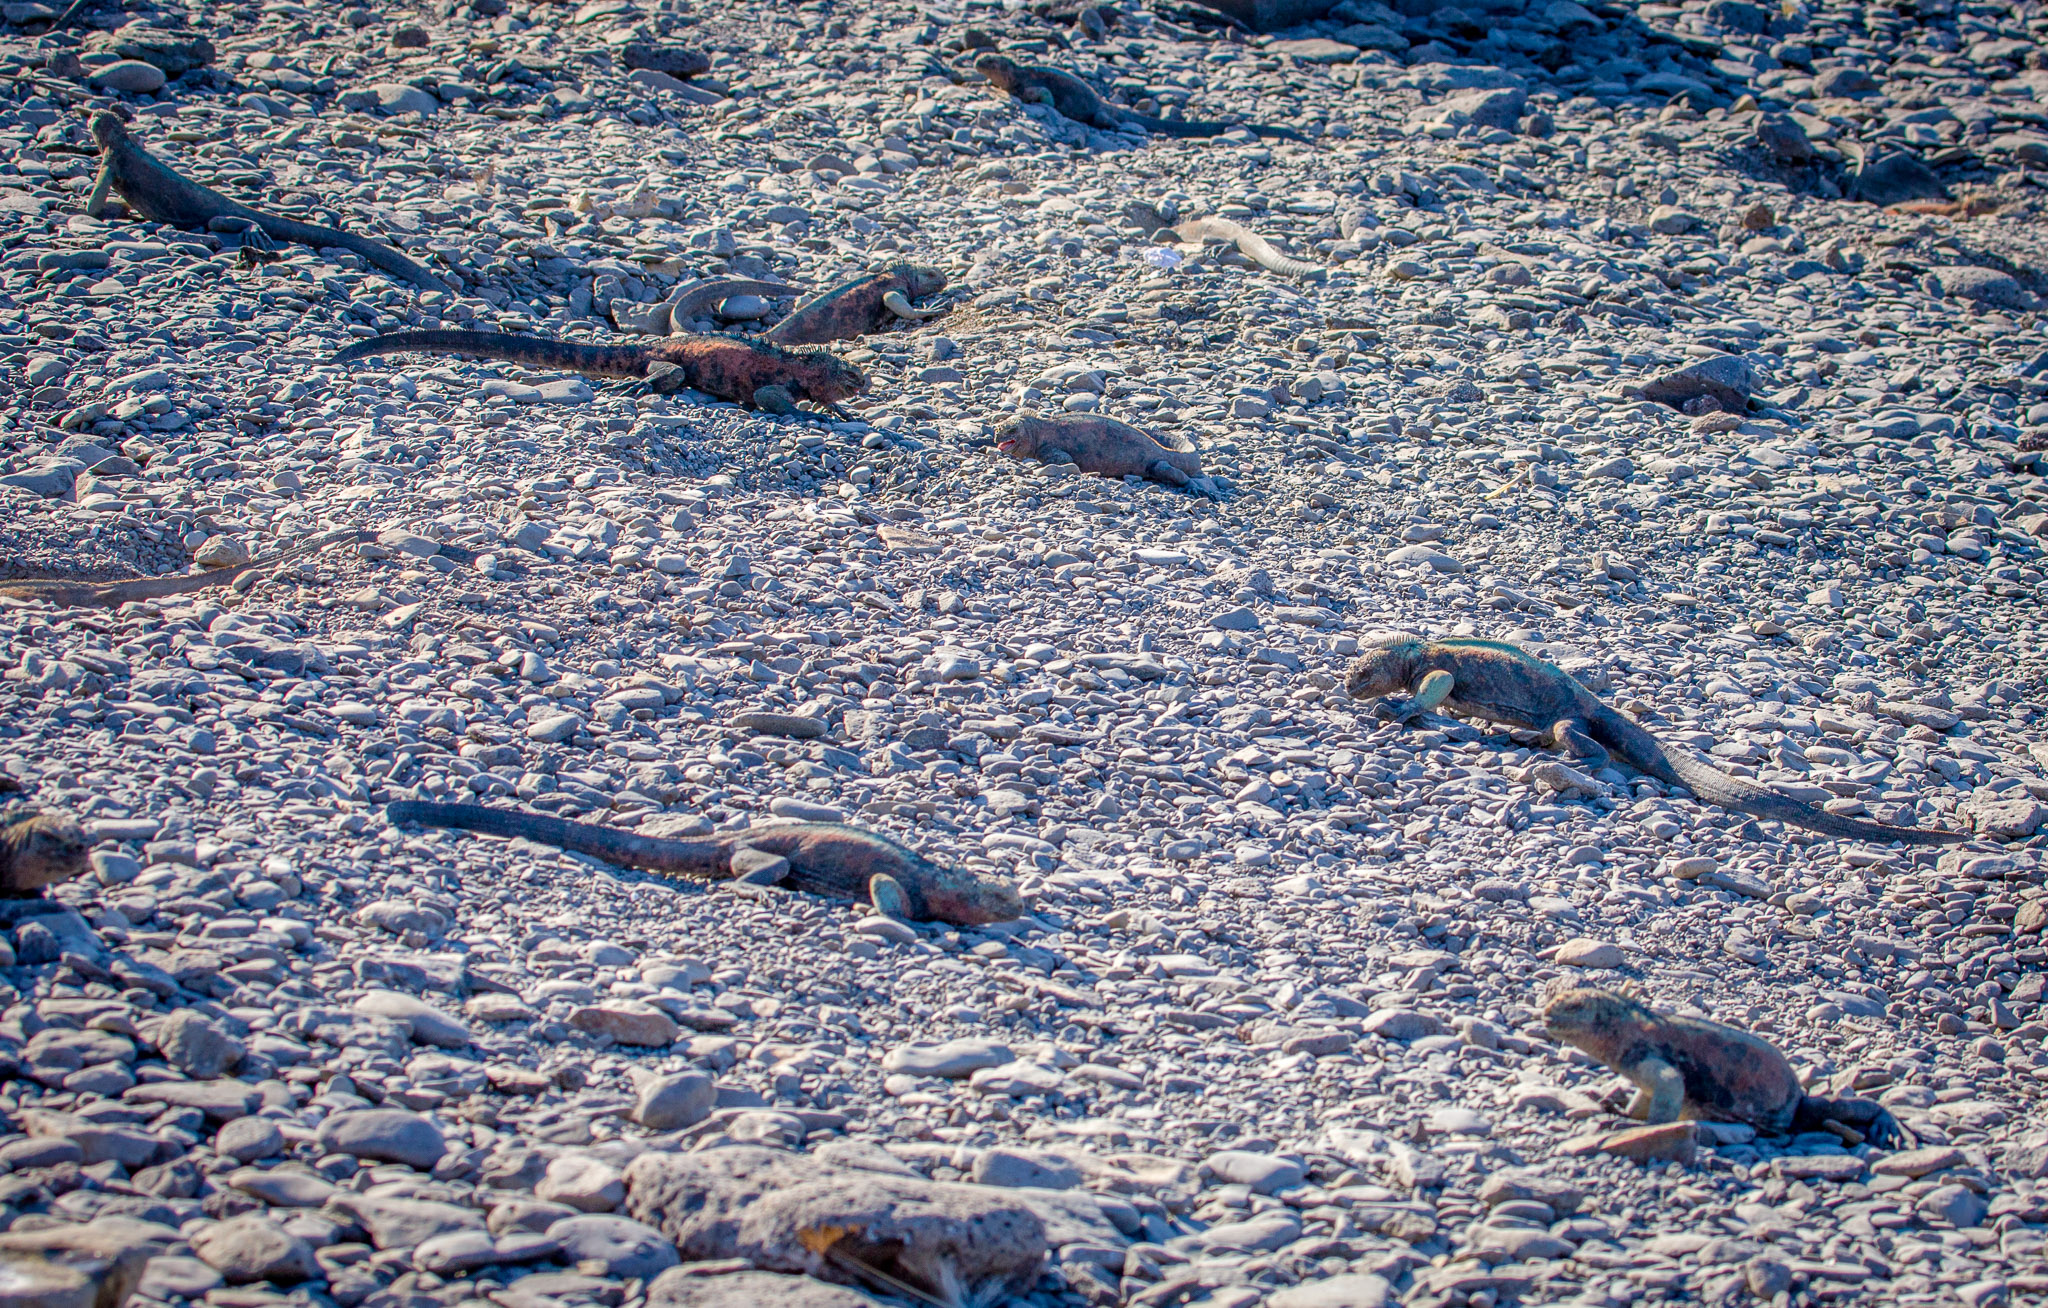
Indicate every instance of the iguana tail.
{"type": "Point", "coordinates": [146, 588]}
{"type": "Point", "coordinates": [1188, 127]}
{"type": "Point", "coordinates": [1647, 754]}
{"type": "Point", "coordinates": [506, 347]}
{"type": "Point", "coordinates": [690, 858]}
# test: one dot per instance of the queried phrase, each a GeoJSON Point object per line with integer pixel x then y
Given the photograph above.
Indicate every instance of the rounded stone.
{"type": "Point", "coordinates": [390, 1135]}
{"type": "Point", "coordinates": [249, 1139]}
{"type": "Point", "coordinates": [670, 1103]}
{"type": "Point", "coordinates": [129, 76]}
{"type": "Point", "coordinates": [628, 1249]}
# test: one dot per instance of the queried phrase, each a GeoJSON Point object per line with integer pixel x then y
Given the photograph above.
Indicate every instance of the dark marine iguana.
{"type": "Point", "coordinates": [859, 307]}
{"type": "Point", "coordinates": [751, 373]}
{"type": "Point", "coordinates": [818, 858]}
{"type": "Point", "coordinates": [1100, 445]}
{"type": "Point", "coordinates": [1500, 683]}
{"type": "Point", "coordinates": [1070, 97]}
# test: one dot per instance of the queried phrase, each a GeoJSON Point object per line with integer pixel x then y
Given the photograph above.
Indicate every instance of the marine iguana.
{"type": "Point", "coordinates": [863, 305]}
{"type": "Point", "coordinates": [38, 849]}
{"type": "Point", "coordinates": [1070, 97]}
{"type": "Point", "coordinates": [751, 373]}
{"type": "Point", "coordinates": [1100, 445]}
{"type": "Point", "coordinates": [1689, 1067]}
{"type": "Point", "coordinates": [819, 858]}
{"type": "Point", "coordinates": [1501, 683]}
{"type": "Point", "coordinates": [157, 192]}
{"type": "Point", "coordinates": [112, 594]}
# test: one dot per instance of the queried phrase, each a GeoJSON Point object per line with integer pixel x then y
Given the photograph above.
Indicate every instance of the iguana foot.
{"type": "Point", "coordinates": [1394, 709]}
{"type": "Point", "coordinates": [888, 897]}
{"type": "Point", "coordinates": [1570, 736]}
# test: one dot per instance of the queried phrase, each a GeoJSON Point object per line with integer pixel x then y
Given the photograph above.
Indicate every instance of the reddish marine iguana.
{"type": "Point", "coordinates": [817, 858]}
{"type": "Point", "coordinates": [863, 305]}
{"type": "Point", "coordinates": [1500, 683]}
{"type": "Point", "coordinates": [1070, 97]}
{"type": "Point", "coordinates": [1688, 1067]}
{"type": "Point", "coordinates": [751, 373]}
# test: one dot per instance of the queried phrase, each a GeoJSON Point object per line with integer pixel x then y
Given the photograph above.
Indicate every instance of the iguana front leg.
{"type": "Point", "coordinates": [1660, 1092]}
{"type": "Point", "coordinates": [1434, 688]}
{"type": "Point", "coordinates": [1570, 735]}
{"type": "Point", "coordinates": [774, 399]}
{"type": "Point", "coordinates": [886, 893]}
{"type": "Point", "coordinates": [662, 378]}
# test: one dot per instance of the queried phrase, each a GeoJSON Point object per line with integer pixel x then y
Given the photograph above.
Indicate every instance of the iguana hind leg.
{"type": "Point", "coordinates": [1569, 735]}
{"type": "Point", "coordinates": [1163, 471]}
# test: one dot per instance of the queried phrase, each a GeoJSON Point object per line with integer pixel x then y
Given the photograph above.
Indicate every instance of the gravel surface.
{"type": "Point", "coordinates": [1271, 1031]}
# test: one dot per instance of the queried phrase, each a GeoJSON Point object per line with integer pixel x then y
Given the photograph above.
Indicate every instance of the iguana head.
{"type": "Point", "coordinates": [998, 70]}
{"type": "Point", "coordinates": [1580, 1013]}
{"type": "Point", "coordinates": [920, 280]}
{"type": "Point", "coordinates": [826, 378]}
{"type": "Point", "coordinates": [1021, 437]}
{"type": "Point", "coordinates": [42, 849]}
{"type": "Point", "coordinates": [1385, 666]}
{"type": "Point", "coordinates": [965, 897]}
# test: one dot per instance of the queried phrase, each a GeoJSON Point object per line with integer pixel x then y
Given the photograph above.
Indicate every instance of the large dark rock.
{"type": "Point", "coordinates": [176, 53]}
{"type": "Point", "coordinates": [1727, 380]}
{"type": "Point", "coordinates": [675, 60]}
{"type": "Point", "coordinates": [1784, 140]}
{"type": "Point", "coordinates": [1894, 178]}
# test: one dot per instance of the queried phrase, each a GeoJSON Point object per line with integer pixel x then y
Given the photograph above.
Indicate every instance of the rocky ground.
{"type": "Point", "coordinates": [1271, 1030]}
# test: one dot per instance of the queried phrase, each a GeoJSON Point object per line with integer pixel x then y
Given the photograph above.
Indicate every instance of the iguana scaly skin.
{"type": "Point", "coordinates": [1689, 1067]}
{"type": "Point", "coordinates": [1500, 683]}
{"type": "Point", "coordinates": [1070, 97]}
{"type": "Point", "coordinates": [859, 307]}
{"type": "Point", "coordinates": [818, 858]}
